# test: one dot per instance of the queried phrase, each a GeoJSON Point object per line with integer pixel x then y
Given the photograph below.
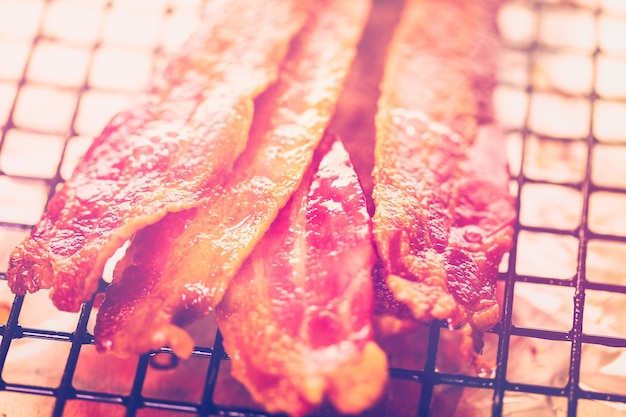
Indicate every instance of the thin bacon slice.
{"type": "Point", "coordinates": [442, 221]}
{"type": "Point", "coordinates": [161, 155]}
{"type": "Point", "coordinates": [178, 270]}
{"type": "Point", "coordinates": [297, 318]}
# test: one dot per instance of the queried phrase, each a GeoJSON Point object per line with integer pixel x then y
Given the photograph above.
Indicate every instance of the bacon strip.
{"type": "Point", "coordinates": [441, 223]}
{"type": "Point", "coordinates": [159, 156]}
{"type": "Point", "coordinates": [178, 270]}
{"type": "Point", "coordinates": [296, 319]}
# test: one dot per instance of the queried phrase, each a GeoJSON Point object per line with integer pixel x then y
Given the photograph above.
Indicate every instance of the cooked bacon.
{"type": "Point", "coordinates": [177, 270]}
{"type": "Point", "coordinates": [296, 319]}
{"type": "Point", "coordinates": [442, 221]}
{"type": "Point", "coordinates": [482, 230]}
{"type": "Point", "coordinates": [162, 154]}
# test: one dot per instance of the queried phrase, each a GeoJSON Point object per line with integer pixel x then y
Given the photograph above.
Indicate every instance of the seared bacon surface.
{"type": "Point", "coordinates": [178, 269]}
{"type": "Point", "coordinates": [442, 219]}
{"type": "Point", "coordinates": [296, 319]}
{"type": "Point", "coordinates": [162, 154]}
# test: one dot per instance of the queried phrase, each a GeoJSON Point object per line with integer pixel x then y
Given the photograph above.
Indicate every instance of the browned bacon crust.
{"type": "Point", "coordinates": [442, 219]}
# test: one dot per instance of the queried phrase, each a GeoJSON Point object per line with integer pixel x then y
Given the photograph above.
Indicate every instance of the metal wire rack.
{"type": "Point", "coordinates": [560, 348]}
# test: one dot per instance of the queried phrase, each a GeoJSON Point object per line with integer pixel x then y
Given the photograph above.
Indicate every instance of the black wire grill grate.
{"type": "Point", "coordinates": [578, 384]}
